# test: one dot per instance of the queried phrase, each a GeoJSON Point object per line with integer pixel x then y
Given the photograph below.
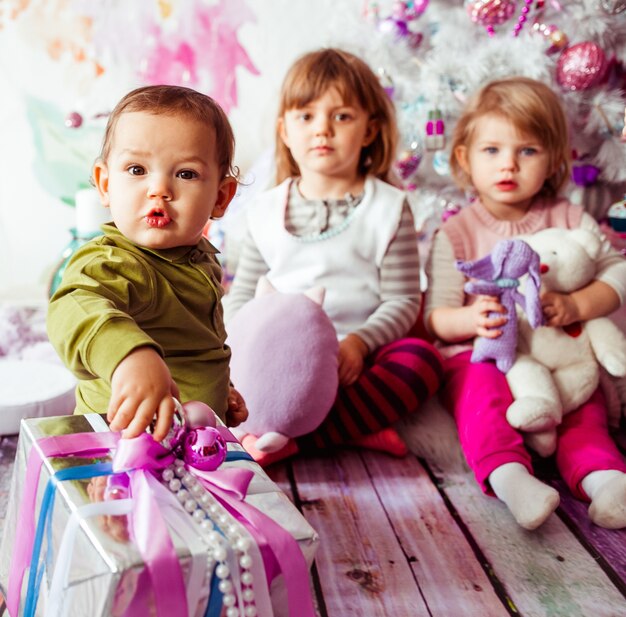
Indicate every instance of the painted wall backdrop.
{"type": "Point", "coordinates": [64, 64]}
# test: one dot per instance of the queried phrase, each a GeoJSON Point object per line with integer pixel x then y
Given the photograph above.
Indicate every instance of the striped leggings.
{"type": "Point", "coordinates": [397, 380]}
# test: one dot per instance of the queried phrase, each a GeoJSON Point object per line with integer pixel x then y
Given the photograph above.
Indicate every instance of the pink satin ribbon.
{"type": "Point", "coordinates": [281, 553]}
{"type": "Point", "coordinates": [142, 458]}
{"type": "Point", "coordinates": [79, 444]}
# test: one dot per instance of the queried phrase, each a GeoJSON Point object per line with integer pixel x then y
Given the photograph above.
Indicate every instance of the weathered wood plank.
{"type": "Point", "coordinates": [282, 474]}
{"type": "Point", "coordinates": [546, 572]}
{"type": "Point", "coordinates": [448, 574]}
{"type": "Point", "coordinates": [363, 571]}
{"type": "Point", "coordinates": [607, 545]}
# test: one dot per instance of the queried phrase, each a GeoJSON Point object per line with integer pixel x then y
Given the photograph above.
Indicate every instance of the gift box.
{"type": "Point", "coordinates": [93, 543]}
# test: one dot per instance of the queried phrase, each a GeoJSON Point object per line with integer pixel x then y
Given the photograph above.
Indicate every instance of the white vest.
{"type": "Point", "coordinates": [347, 264]}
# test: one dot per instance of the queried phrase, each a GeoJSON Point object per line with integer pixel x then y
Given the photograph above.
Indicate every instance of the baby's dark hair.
{"type": "Point", "coordinates": [178, 101]}
{"type": "Point", "coordinates": [312, 75]}
{"type": "Point", "coordinates": [534, 109]}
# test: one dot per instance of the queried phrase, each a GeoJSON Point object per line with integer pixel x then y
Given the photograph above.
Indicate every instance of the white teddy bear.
{"type": "Point", "coordinates": [557, 369]}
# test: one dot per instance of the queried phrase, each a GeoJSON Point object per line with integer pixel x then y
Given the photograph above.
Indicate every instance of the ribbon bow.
{"type": "Point", "coordinates": [138, 463]}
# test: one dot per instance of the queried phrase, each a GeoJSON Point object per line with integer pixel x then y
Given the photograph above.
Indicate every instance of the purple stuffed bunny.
{"type": "Point", "coordinates": [497, 275]}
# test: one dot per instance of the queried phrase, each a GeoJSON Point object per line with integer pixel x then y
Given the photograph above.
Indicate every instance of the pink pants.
{"type": "Point", "coordinates": [477, 394]}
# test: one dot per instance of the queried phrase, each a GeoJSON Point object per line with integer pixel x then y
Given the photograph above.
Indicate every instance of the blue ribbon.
{"type": "Point", "coordinates": [234, 455]}
{"type": "Point", "coordinates": [216, 598]}
{"type": "Point", "coordinates": [44, 524]}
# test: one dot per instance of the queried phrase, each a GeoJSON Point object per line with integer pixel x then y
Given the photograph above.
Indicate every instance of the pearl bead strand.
{"type": "Point", "coordinates": [220, 530]}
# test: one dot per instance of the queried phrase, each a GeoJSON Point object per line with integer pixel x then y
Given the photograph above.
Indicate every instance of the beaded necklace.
{"type": "Point", "coordinates": [333, 231]}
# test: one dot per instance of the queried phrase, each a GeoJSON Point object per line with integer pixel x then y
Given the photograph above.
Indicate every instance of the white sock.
{"type": "Point", "coordinates": [607, 491]}
{"type": "Point", "coordinates": [530, 501]}
{"type": "Point", "coordinates": [592, 482]}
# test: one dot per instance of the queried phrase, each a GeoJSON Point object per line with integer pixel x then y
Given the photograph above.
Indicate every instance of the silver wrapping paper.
{"type": "Point", "coordinates": [105, 570]}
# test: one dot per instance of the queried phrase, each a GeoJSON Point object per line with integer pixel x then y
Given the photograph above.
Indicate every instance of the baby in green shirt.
{"type": "Point", "coordinates": [138, 314]}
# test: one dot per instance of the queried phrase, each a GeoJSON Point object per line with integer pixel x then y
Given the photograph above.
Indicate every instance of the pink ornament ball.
{"type": "Point", "coordinates": [408, 162]}
{"type": "Point", "coordinates": [581, 66]}
{"type": "Point", "coordinates": [204, 448]}
{"type": "Point", "coordinates": [398, 29]}
{"type": "Point", "coordinates": [490, 12]}
{"type": "Point", "coordinates": [73, 120]}
{"type": "Point", "coordinates": [199, 414]}
{"type": "Point", "coordinates": [419, 6]}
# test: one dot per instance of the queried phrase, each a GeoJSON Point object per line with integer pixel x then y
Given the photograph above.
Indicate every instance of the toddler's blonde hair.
{"type": "Point", "coordinates": [534, 109]}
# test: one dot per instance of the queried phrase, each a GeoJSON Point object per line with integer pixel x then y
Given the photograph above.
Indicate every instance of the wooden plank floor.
{"type": "Point", "coordinates": [414, 537]}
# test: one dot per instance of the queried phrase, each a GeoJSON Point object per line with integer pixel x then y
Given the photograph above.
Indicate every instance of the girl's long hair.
{"type": "Point", "coordinates": [310, 77]}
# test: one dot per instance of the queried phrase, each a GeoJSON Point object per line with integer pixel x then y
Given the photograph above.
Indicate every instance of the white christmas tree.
{"type": "Point", "coordinates": [432, 55]}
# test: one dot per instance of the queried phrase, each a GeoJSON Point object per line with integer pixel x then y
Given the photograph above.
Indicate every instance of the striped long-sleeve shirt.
{"type": "Point", "coordinates": [399, 273]}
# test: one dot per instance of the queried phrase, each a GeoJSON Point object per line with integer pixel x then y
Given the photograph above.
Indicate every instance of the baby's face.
{"type": "Point", "coordinates": [161, 179]}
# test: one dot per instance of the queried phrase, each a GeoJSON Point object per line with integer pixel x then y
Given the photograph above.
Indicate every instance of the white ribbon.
{"type": "Point", "coordinates": [176, 518]}
{"type": "Point", "coordinates": [57, 594]}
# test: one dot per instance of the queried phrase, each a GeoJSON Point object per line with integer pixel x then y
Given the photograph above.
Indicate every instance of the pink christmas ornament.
{"type": "Point", "coordinates": [581, 66]}
{"type": "Point", "coordinates": [407, 10]}
{"type": "Point", "coordinates": [490, 13]}
{"type": "Point", "coordinates": [198, 414]}
{"type": "Point", "coordinates": [202, 447]}
{"type": "Point", "coordinates": [419, 6]}
{"type": "Point", "coordinates": [408, 161]}
{"type": "Point", "coordinates": [73, 120]}
{"type": "Point", "coordinates": [556, 38]}
{"type": "Point", "coordinates": [394, 27]}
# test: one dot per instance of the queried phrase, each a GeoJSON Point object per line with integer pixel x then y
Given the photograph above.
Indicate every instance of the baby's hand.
{"type": "Point", "coordinates": [559, 309]}
{"type": "Point", "coordinates": [352, 353]}
{"type": "Point", "coordinates": [486, 326]}
{"type": "Point", "coordinates": [237, 410]}
{"type": "Point", "coordinates": [142, 387]}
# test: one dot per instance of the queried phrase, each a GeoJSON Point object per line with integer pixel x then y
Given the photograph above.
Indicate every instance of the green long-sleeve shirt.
{"type": "Point", "coordinates": [116, 297]}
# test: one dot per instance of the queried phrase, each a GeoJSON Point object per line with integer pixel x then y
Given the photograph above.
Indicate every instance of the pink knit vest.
{"type": "Point", "coordinates": [473, 232]}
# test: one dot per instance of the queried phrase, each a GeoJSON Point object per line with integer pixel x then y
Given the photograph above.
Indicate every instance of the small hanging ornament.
{"type": "Point", "coordinates": [441, 163]}
{"type": "Point", "coordinates": [73, 120]}
{"type": "Point", "coordinates": [416, 8]}
{"type": "Point", "coordinates": [407, 164]}
{"type": "Point", "coordinates": [617, 215]}
{"type": "Point", "coordinates": [556, 38]}
{"type": "Point", "coordinates": [385, 81]}
{"type": "Point", "coordinates": [581, 66]}
{"type": "Point", "coordinates": [522, 17]}
{"type": "Point", "coordinates": [435, 131]}
{"type": "Point", "coordinates": [490, 13]}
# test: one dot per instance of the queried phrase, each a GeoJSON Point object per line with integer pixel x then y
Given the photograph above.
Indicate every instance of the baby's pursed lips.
{"type": "Point", "coordinates": [157, 217]}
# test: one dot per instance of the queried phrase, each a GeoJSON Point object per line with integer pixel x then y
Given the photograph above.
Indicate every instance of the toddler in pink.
{"type": "Point", "coordinates": [511, 147]}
